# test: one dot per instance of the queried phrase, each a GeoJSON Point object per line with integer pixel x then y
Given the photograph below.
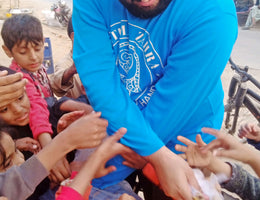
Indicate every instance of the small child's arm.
{"type": "Point", "coordinates": [232, 148]}
{"type": "Point", "coordinates": [250, 131]}
{"type": "Point", "coordinates": [196, 157]}
{"type": "Point", "coordinates": [39, 113]}
{"type": "Point", "coordinates": [28, 144]}
{"type": "Point", "coordinates": [72, 105]}
{"type": "Point", "coordinates": [94, 167]}
{"type": "Point", "coordinates": [61, 170]}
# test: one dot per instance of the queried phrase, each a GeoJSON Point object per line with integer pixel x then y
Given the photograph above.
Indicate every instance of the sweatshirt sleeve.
{"type": "Point", "coordinates": [103, 85]}
{"type": "Point", "coordinates": [190, 95]}
{"type": "Point", "coordinates": [243, 183]}
{"type": "Point", "coordinates": [39, 113]}
{"type": "Point", "coordinates": [19, 182]}
{"type": "Point", "coordinates": [196, 61]}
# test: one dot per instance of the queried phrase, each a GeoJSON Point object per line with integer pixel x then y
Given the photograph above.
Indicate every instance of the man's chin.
{"type": "Point", "coordinates": [146, 12]}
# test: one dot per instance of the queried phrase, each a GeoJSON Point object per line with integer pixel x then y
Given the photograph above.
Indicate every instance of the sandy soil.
{"type": "Point", "coordinates": [61, 45]}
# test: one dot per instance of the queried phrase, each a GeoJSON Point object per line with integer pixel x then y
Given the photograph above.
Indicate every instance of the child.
{"type": "Point", "coordinates": [252, 133]}
{"type": "Point", "coordinates": [10, 155]}
{"type": "Point", "coordinates": [18, 182]}
{"type": "Point", "coordinates": [24, 42]}
{"type": "Point", "coordinates": [15, 113]}
{"type": "Point", "coordinates": [237, 180]}
{"type": "Point", "coordinates": [79, 187]}
{"type": "Point", "coordinates": [23, 144]}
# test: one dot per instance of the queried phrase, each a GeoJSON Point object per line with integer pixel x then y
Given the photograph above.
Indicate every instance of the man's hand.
{"type": "Point", "coordinates": [11, 87]}
{"type": "Point", "coordinates": [28, 144]}
{"type": "Point", "coordinates": [175, 176]}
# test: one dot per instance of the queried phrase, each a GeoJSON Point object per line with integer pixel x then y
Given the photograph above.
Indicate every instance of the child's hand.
{"type": "Point", "coordinates": [11, 87]}
{"type": "Point", "coordinates": [107, 150]}
{"type": "Point", "coordinates": [195, 157]}
{"type": "Point", "coordinates": [75, 166]}
{"type": "Point", "coordinates": [230, 146]}
{"type": "Point", "coordinates": [90, 129]}
{"type": "Point", "coordinates": [250, 131]}
{"type": "Point", "coordinates": [125, 196]}
{"type": "Point", "coordinates": [67, 119]}
{"type": "Point", "coordinates": [60, 171]}
{"type": "Point", "coordinates": [133, 160]}
{"type": "Point", "coordinates": [28, 144]}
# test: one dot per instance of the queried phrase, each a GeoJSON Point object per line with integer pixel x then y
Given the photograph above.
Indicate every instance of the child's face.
{"type": "Point", "coordinates": [30, 56]}
{"type": "Point", "coordinates": [13, 155]}
{"type": "Point", "coordinates": [17, 112]}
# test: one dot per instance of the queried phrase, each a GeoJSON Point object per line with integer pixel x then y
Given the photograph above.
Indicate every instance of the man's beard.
{"type": "Point", "coordinates": [145, 13]}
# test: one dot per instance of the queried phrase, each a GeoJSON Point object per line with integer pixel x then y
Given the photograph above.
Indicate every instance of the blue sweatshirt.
{"type": "Point", "coordinates": [158, 77]}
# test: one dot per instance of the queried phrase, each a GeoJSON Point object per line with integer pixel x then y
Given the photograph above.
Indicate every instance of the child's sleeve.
{"type": "Point", "coordinates": [39, 113]}
{"type": "Point", "coordinates": [67, 193]}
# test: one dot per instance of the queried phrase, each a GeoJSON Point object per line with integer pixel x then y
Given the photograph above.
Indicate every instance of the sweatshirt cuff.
{"type": "Point", "coordinates": [33, 172]}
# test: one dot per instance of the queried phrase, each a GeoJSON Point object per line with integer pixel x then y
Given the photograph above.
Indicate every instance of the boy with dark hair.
{"type": "Point", "coordinates": [24, 42]}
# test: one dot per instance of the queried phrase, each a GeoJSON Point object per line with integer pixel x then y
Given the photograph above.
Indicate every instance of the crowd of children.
{"type": "Point", "coordinates": [31, 119]}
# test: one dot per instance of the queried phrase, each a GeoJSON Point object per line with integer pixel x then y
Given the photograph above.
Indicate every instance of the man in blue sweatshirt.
{"type": "Point", "coordinates": [154, 67]}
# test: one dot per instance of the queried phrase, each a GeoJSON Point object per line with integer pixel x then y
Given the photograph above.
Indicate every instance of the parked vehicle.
{"type": "Point", "coordinates": [62, 12]}
{"type": "Point", "coordinates": [240, 95]}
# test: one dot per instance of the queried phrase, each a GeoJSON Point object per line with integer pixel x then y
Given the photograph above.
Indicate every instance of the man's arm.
{"type": "Point", "coordinates": [169, 109]}
{"type": "Point", "coordinates": [184, 71]}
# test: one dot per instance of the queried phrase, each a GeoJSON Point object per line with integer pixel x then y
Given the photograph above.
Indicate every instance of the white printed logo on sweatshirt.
{"type": "Point", "coordinates": [139, 64]}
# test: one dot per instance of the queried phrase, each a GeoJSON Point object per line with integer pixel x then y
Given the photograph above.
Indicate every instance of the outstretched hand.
{"type": "Point", "coordinates": [28, 144]}
{"type": "Point", "coordinates": [90, 129]}
{"type": "Point", "coordinates": [227, 146]}
{"type": "Point", "coordinates": [67, 119]}
{"type": "Point", "coordinates": [107, 150]}
{"type": "Point", "coordinates": [95, 166]}
{"type": "Point", "coordinates": [250, 131]}
{"type": "Point", "coordinates": [126, 196]}
{"type": "Point", "coordinates": [11, 87]}
{"type": "Point", "coordinates": [60, 171]}
{"type": "Point", "coordinates": [193, 153]}
{"type": "Point", "coordinates": [133, 160]}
